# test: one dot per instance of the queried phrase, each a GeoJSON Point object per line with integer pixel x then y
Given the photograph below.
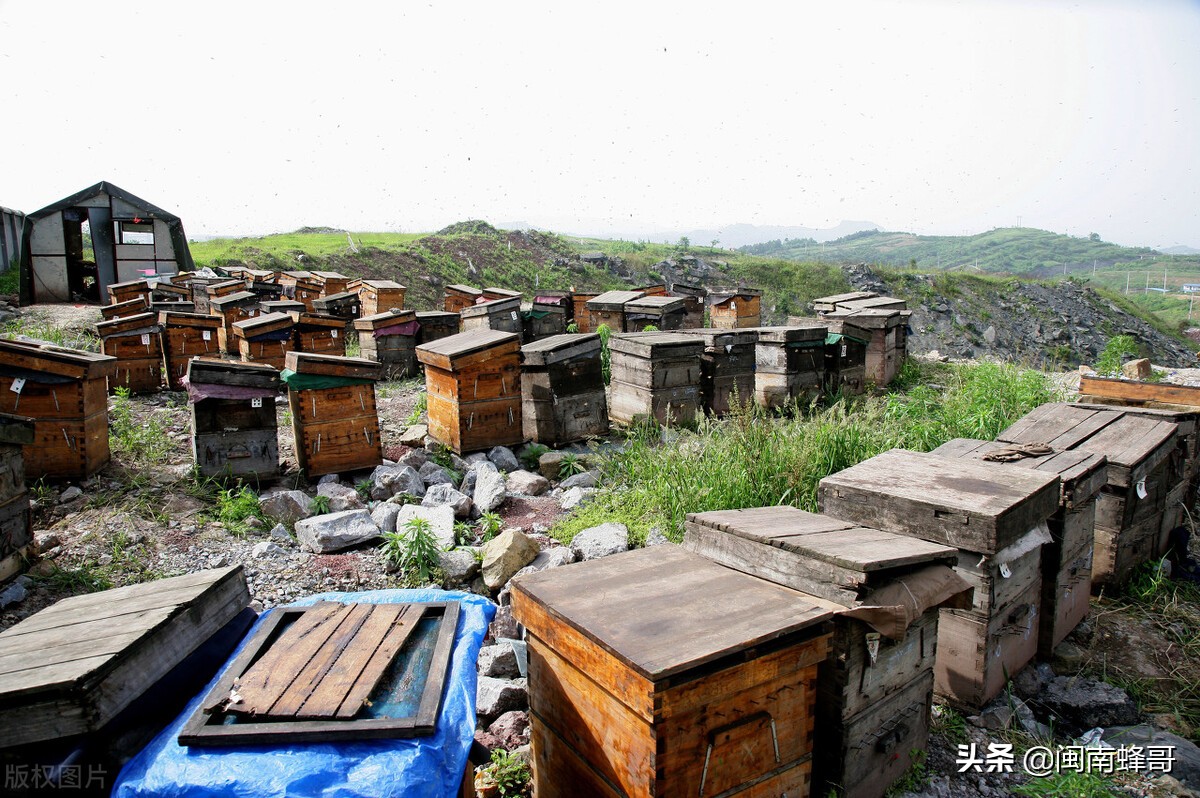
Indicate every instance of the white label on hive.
{"type": "Point", "coordinates": [733, 306]}
{"type": "Point", "coordinates": [1005, 571]}
{"type": "Point", "coordinates": [1141, 489]}
{"type": "Point", "coordinates": [18, 384]}
{"type": "Point", "coordinates": [334, 333]}
{"type": "Point", "coordinates": [256, 401]}
{"type": "Point", "coordinates": [514, 315]}
{"type": "Point", "coordinates": [146, 339]}
{"type": "Point", "coordinates": [206, 335]}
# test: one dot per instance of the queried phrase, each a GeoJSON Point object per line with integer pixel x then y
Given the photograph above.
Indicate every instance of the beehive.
{"type": "Point", "coordinates": [234, 431]}
{"type": "Point", "coordinates": [655, 310]}
{"type": "Point", "coordinates": [609, 309]}
{"type": "Point", "coordinates": [265, 339]}
{"type": "Point", "coordinates": [872, 303]}
{"type": "Point", "coordinates": [660, 690]}
{"type": "Point", "coordinates": [789, 365]}
{"type": "Point", "coordinates": [562, 389]}
{"type": "Point", "coordinates": [334, 415]}
{"type": "Point", "coordinates": [130, 307]}
{"type": "Point", "coordinates": [281, 306]}
{"type": "Point", "coordinates": [655, 376]}
{"type": "Point", "coordinates": [345, 305]}
{"type": "Point", "coordinates": [694, 297]}
{"type": "Point", "coordinates": [380, 295]}
{"type": "Point", "coordinates": [232, 308]}
{"type": "Point", "coordinates": [540, 321]}
{"type": "Point", "coordinates": [503, 315]}
{"type": "Point", "coordinates": [205, 290]}
{"type": "Point", "coordinates": [184, 336]}
{"type": "Point", "coordinates": [457, 297]}
{"type": "Point", "coordinates": [734, 308]}
{"type": "Point", "coordinates": [580, 313]}
{"type": "Point", "coordinates": [330, 283]}
{"type": "Point", "coordinates": [319, 334]}
{"type": "Point", "coordinates": [846, 357]}
{"type": "Point", "coordinates": [267, 290]}
{"type": "Point", "coordinates": [301, 286]}
{"type": "Point", "coordinates": [65, 393]}
{"type": "Point", "coordinates": [16, 524]}
{"type": "Point", "coordinates": [435, 324]}
{"type": "Point", "coordinates": [162, 291]}
{"type": "Point", "coordinates": [390, 339]}
{"type": "Point", "coordinates": [826, 304]}
{"type": "Point", "coordinates": [493, 293]}
{"type": "Point", "coordinates": [135, 343]}
{"type": "Point", "coordinates": [886, 347]}
{"type": "Point", "coordinates": [130, 289]}
{"type": "Point", "coordinates": [726, 368]}
{"type": "Point", "coordinates": [473, 384]}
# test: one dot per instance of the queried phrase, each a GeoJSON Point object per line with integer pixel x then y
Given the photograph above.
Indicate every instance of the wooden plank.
{"type": "Point", "coordinates": [1136, 392]}
{"type": "Point", "coordinates": [342, 692]}
{"type": "Point", "coordinates": [312, 671]}
{"type": "Point", "coordinates": [1058, 425]}
{"type": "Point", "coordinates": [1134, 446]}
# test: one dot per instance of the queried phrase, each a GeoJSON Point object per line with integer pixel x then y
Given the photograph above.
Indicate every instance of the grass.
{"type": "Point", "coordinates": [236, 506]}
{"type": "Point", "coordinates": [70, 338]}
{"type": "Point", "coordinates": [413, 551]}
{"type": "Point", "coordinates": [747, 460]}
{"type": "Point", "coordinates": [1068, 784]}
{"type": "Point", "coordinates": [141, 437]}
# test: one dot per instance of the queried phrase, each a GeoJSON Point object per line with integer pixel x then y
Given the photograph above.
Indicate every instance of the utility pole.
{"type": "Point", "coordinates": [1166, 266]}
{"type": "Point", "coordinates": [1126, 283]}
{"type": "Point", "coordinates": [1191, 302]}
{"type": "Point", "coordinates": [1093, 268]}
{"type": "Point", "coordinates": [1147, 283]}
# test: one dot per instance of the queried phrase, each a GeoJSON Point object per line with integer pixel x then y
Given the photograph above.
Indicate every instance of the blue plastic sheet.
{"type": "Point", "coordinates": [415, 767]}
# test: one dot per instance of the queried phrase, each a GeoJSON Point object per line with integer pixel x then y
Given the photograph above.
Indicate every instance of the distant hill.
{"type": "Point", "coordinates": [741, 235]}
{"type": "Point", "coordinates": [1180, 249]}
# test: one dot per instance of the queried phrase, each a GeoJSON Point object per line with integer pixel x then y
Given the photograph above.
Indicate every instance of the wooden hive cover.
{"type": "Point", "coordinates": [205, 371]}
{"type": "Point", "coordinates": [557, 348]}
{"type": "Point", "coordinates": [500, 293]}
{"type": "Point", "coordinates": [170, 318]}
{"type": "Point", "coordinates": [687, 289]}
{"type": "Point", "coordinates": [612, 300]}
{"type": "Point", "coordinates": [662, 610]}
{"type": "Point", "coordinates": [16, 430]}
{"type": "Point", "coordinates": [962, 504]}
{"type": "Point", "coordinates": [296, 274]}
{"type": "Point", "coordinates": [380, 285]}
{"type": "Point", "coordinates": [71, 667]}
{"type": "Point", "coordinates": [136, 305]}
{"type": "Point", "coordinates": [826, 303]}
{"type": "Point", "coordinates": [719, 296]}
{"type": "Point", "coordinates": [388, 318]}
{"type": "Point", "coordinates": [141, 284]}
{"type": "Point", "coordinates": [341, 296]}
{"type": "Point", "coordinates": [1134, 446]}
{"type": "Point", "coordinates": [313, 321]}
{"type": "Point", "coordinates": [126, 324]}
{"type": "Point", "coordinates": [656, 345]}
{"type": "Point", "coordinates": [794, 334]}
{"type": "Point", "coordinates": [715, 339]}
{"type": "Point", "coordinates": [266, 323]}
{"type": "Point", "coordinates": [469, 290]}
{"type": "Point", "coordinates": [654, 304]}
{"type": "Point", "coordinates": [333, 365]}
{"type": "Point", "coordinates": [224, 287]}
{"type": "Point", "coordinates": [163, 287]}
{"type": "Point", "coordinates": [467, 348]}
{"type": "Point", "coordinates": [503, 306]}
{"type": "Point", "coordinates": [1082, 474]}
{"type": "Point", "coordinates": [281, 306]}
{"type": "Point", "coordinates": [875, 302]}
{"type": "Point", "coordinates": [437, 317]}
{"type": "Point", "coordinates": [60, 361]}
{"type": "Point", "coordinates": [876, 318]}
{"type": "Point", "coordinates": [235, 300]}
{"type": "Point", "coordinates": [1058, 425]}
{"type": "Point", "coordinates": [1186, 420]}
{"type": "Point", "coordinates": [330, 275]}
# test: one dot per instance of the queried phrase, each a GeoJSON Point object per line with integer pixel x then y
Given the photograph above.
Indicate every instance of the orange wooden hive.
{"type": "Point", "coordinates": [334, 416]}
{"type": "Point", "coordinates": [330, 282]}
{"type": "Point", "coordinates": [609, 309]}
{"type": "Point", "coordinates": [265, 339]}
{"type": "Point", "coordinates": [734, 308]}
{"type": "Point", "coordinates": [380, 295]}
{"type": "Point", "coordinates": [129, 307]}
{"type": "Point", "coordinates": [136, 344]}
{"type": "Point", "coordinates": [234, 430]}
{"type": "Point", "coordinates": [184, 336]}
{"type": "Point", "coordinates": [301, 286]}
{"type": "Point", "coordinates": [232, 308]}
{"type": "Point", "coordinates": [205, 290]}
{"type": "Point", "coordinates": [130, 289]}
{"type": "Point", "coordinates": [456, 297]}
{"type": "Point", "coordinates": [580, 313]}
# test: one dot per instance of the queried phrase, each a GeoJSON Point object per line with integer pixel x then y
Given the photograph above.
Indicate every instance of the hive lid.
{"type": "Point", "coordinates": [719, 295]}
{"type": "Point", "coordinates": [875, 302]}
{"type": "Point", "coordinates": [16, 430]}
{"type": "Point", "coordinates": [126, 324]}
{"type": "Point", "coordinates": [128, 306]}
{"type": "Point", "coordinates": [558, 348]}
{"type": "Point", "coordinates": [689, 290]}
{"type": "Point", "coordinates": [380, 285]}
{"type": "Point", "coordinates": [1187, 420]}
{"type": "Point", "coordinates": [716, 339]}
{"type": "Point", "coordinates": [163, 287]}
{"type": "Point", "coordinates": [223, 286]}
{"type": "Point", "coordinates": [333, 365]}
{"type": "Point", "coordinates": [655, 304]}
{"type": "Point", "coordinates": [330, 275]}
{"type": "Point", "coordinates": [651, 345]}
{"type": "Point", "coordinates": [465, 289]}
{"type": "Point", "coordinates": [612, 300]}
{"type": "Point", "coordinates": [267, 322]}
{"type": "Point", "coordinates": [388, 318]}
{"type": "Point", "coordinates": [236, 299]}
{"type": "Point", "coordinates": [435, 316]}
{"type": "Point", "coordinates": [1058, 425]}
{"type": "Point", "coordinates": [875, 318]}
{"type": "Point", "coordinates": [794, 334]}
{"type": "Point", "coordinates": [281, 305]}
{"type": "Point", "coordinates": [830, 302]}
{"type": "Point", "coordinates": [1082, 474]}
{"type": "Point", "coordinates": [663, 610]}
{"type": "Point", "coordinates": [510, 304]}
{"type": "Point", "coordinates": [317, 320]}
{"type": "Point", "coordinates": [44, 357]}
{"type": "Point", "coordinates": [501, 293]}
{"type": "Point", "coordinates": [341, 296]}
{"type": "Point", "coordinates": [297, 274]}
{"type": "Point", "coordinates": [138, 284]}
{"type": "Point", "coordinates": [171, 318]}
{"type": "Point", "coordinates": [207, 371]}
{"type": "Point", "coordinates": [446, 352]}
{"type": "Point", "coordinates": [1134, 446]}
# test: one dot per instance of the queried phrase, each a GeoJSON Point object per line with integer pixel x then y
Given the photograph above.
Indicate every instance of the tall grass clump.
{"type": "Point", "coordinates": [751, 459]}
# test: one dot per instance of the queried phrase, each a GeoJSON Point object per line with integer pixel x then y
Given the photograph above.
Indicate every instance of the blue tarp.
{"type": "Point", "coordinates": [416, 767]}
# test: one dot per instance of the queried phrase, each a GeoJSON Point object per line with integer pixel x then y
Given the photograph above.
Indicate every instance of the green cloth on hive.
{"type": "Point", "coordinates": [317, 382]}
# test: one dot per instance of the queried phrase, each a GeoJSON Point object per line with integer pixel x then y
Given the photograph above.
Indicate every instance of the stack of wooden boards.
{"type": "Point", "coordinates": [884, 318]}
{"type": "Point", "coordinates": [562, 390]}
{"type": "Point", "coordinates": [334, 415]}
{"type": "Point", "coordinates": [726, 368]}
{"type": "Point", "coordinates": [789, 364]}
{"type": "Point", "coordinates": [234, 431]}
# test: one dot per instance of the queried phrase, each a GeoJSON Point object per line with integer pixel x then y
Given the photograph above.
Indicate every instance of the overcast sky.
{"type": "Point", "coordinates": [932, 117]}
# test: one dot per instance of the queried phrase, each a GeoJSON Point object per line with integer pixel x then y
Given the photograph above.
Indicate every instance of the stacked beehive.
{"type": "Point", "coordinates": [580, 313]}
{"type": "Point", "coordinates": [827, 304]}
{"type": "Point", "coordinates": [502, 315]}
{"type": "Point", "coordinates": [281, 306]}
{"type": "Point", "coordinates": [16, 527]}
{"type": "Point", "coordinates": [996, 518]}
{"type": "Point", "coordinates": [345, 305]}
{"type": "Point", "coordinates": [168, 297]}
{"type": "Point", "coordinates": [789, 364]}
{"type": "Point", "coordinates": [390, 339]}
{"type": "Point", "coordinates": [265, 339]}
{"type": "Point", "coordinates": [130, 307]}
{"type": "Point", "coordinates": [232, 308]}
{"type": "Point", "coordinates": [547, 316]}
{"type": "Point", "coordinates": [205, 291]}
{"type": "Point", "coordinates": [130, 289]}
{"type": "Point", "coordinates": [734, 308]}
{"type": "Point", "coordinates": [184, 336]}
{"type": "Point", "coordinates": [886, 318]}
{"type": "Point", "coordinates": [319, 334]}
{"type": "Point", "coordinates": [655, 376]}
{"type": "Point", "coordinates": [233, 418]}
{"type": "Point", "coordinates": [846, 357]}
{"type": "Point", "coordinates": [473, 383]}
{"type": "Point", "coordinates": [562, 389]}
{"type": "Point", "coordinates": [655, 310]}
{"type": "Point", "coordinates": [334, 415]}
{"type": "Point", "coordinates": [726, 368]}
{"type": "Point", "coordinates": [694, 297]}
{"type": "Point", "coordinates": [875, 691]}
{"type": "Point", "coordinates": [137, 346]}
{"type": "Point", "coordinates": [330, 283]}
{"type": "Point", "coordinates": [457, 297]}
{"type": "Point", "coordinates": [609, 309]}
{"type": "Point", "coordinates": [435, 324]}
{"type": "Point", "coordinates": [301, 286]}
{"type": "Point", "coordinates": [380, 295]}
{"type": "Point", "coordinates": [65, 393]}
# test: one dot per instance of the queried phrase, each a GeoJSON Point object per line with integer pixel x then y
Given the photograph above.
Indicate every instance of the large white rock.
{"type": "Point", "coordinates": [336, 531]}
{"type": "Point", "coordinates": [387, 481]}
{"type": "Point", "coordinates": [288, 506]}
{"type": "Point", "coordinates": [489, 489]}
{"type": "Point", "coordinates": [444, 494]}
{"type": "Point", "coordinates": [600, 541]}
{"type": "Point", "coordinates": [341, 497]}
{"type": "Point", "coordinates": [384, 516]}
{"type": "Point", "coordinates": [459, 565]}
{"type": "Point", "coordinates": [441, 522]}
{"type": "Point", "coordinates": [575, 497]}
{"type": "Point", "coordinates": [494, 697]}
{"type": "Point", "coordinates": [527, 483]}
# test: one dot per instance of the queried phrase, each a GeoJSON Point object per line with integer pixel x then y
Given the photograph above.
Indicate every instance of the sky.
{"type": "Point", "coordinates": [615, 118]}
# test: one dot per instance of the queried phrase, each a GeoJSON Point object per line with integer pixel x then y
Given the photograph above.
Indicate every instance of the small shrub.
{"type": "Point", "coordinates": [572, 328]}
{"type": "Point", "coordinates": [320, 505]}
{"type": "Point", "coordinates": [140, 436]}
{"type": "Point", "coordinates": [489, 525]}
{"type": "Point", "coordinates": [532, 454]}
{"type": "Point", "coordinates": [419, 409]}
{"type": "Point", "coordinates": [1118, 349]}
{"type": "Point", "coordinates": [363, 487]}
{"type": "Point", "coordinates": [605, 333]}
{"type": "Point", "coordinates": [510, 773]}
{"type": "Point", "coordinates": [462, 533]}
{"type": "Point", "coordinates": [235, 507]}
{"type": "Point", "coordinates": [571, 465]}
{"type": "Point", "coordinates": [413, 550]}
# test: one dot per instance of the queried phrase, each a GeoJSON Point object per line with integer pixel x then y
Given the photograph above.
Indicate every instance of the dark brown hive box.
{"type": "Point", "coordinates": [562, 389]}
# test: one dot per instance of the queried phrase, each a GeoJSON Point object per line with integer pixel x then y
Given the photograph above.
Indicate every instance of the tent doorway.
{"type": "Point", "coordinates": [82, 276]}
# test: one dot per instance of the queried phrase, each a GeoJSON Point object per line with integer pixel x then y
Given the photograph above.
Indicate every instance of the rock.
{"type": "Point", "coordinates": [552, 558]}
{"type": "Point", "coordinates": [499, 661]}
{"type": "Point", "coordinates": [494, 697]}
{"type": "Point", "coordinates": [444, 494]}
{"type": "Point", "coordinates": [600, 541]}
{"type": "Point", "coordinates": [475, 458]}
{"type": "Point", "coordinates": [266, 549]}
{"type": "Point", "coordinates": [70, 494]}
{"type": "Point", "coordinates": [467, 486]}
{"type": "Point", "coordinates": [434, 474]}
{"type": "Point", "coordinates": [656, 537]}
{"type": "Point", "coordinates": [505, 554]}
{"type": "Point", "coordinates": [1186, 767]}
{"type": "Point", "coordinates": [459, 565]}
{"type": "Point", "coordinates": [550, 463]}
{"type": "Point", "coordinates": [16, 592]}
{"type": "Point", "coordinates": [575, 497]}
{"type": "Point", "coordinates": [504, 459]}
{"type": "Point", "coordinates": [287, 507]}
{"type": "Point", "coordinates": [1079, 704]}
{"type": "Point", "coordinates": [1134, 370]}
{"type": "Point", "coordinates": [341, 497]}
{"type": "Point", "coordinates": [504, 625]}
{"type": "Point", "coordinates": [384, 516]}
{"type": "Point", "coordinates": [1030, 682]}
{"type": "Point", "coordinates": [458, 464]}
{"type": "Point", "coordinates": [527, 483]}
{"type": "Point", "coordinates": [997, 716]}
{"type": "Point", "coordinates": [588, 479]}
{"type": "Point", "coordinates": [414, 459]}
{"type": "Point", "coordinates": [989, 334]}
{"type": "Point", "coordinates": [392, 480]}
{"type": "Point", "coordinates": [415, 436]}
{"type": "Point", "coordinates": [328, 479]}
{"type": "Point", "coordinates": [1068, 658]}
{"type": "Point", "coordinates": [44, 541]}
{"type": "Point", "coordinates": [489, 489]}
{"type": "Point", "coordinates": [441, 522]}
{"type": "Point", "coordinates": [336, 531]}
{"type": "Point", "coordinates": [511, 728]}
{"type": "Point", "coordinates": [279, 534]}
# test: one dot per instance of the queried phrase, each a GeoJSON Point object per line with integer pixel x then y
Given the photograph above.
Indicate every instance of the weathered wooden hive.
{"type": "Point", "coordinates": [688, 679]}
{"type": "Point", "coordinates": [345, 305]}
{"type": "Point", "coordinates": [456, 297]}
{"type": "Point", "coordinates": [1067, 559]}
{"type": "Point", "coordinates": [205, 290]}
{"type": "Point", "coordinates": [136, 344]}
{"type": "Point", "coordinates": [265, 339]}
{"type": "Point", "coordinates": [875, 691]}
{"type": "Point", "coordinates": [886, 347]}
{"type": "Point", "coordinates": [163, 292]}
{"type": "Point", "coordinates": [184, 336]}
{"type": "Point", "coordinates": [997, 520]}
{"type": "Point", "coordinates": [380, 295]}
{"type": "Point", "coordinates": [826, 304]}
{"type": "Point", "coordinates": [542, 321]}
{"type": "Point", "coordinates": [846, 357]}
{"type": "Point", "coordinates": [580, 313]}
{"type": "Point", "coordinates": [65, 392]}
{"type": "Point", "coordinates": [655, 310]}
{"type": "Point", "coordinates": [301, 286]}
{"type": "Point", "coordinates": [655, 376]}
{"type": "Point", "coordinates": [789, 364]}
{"type": "Point", "coordinates": [503, 315]}
{"type": "Point", "coordinates": [318, 333]}
{"type": "Point", "coordinates": [726, 368]}
{"type": "Point", "coordinates": [734, 308]}
{"type": "Point", "coordinates": [16, 523]}
{"type": "Point", "coordinates": [281, 306]}
{"type": "Point", "coordinates": [234, 431]}
{"type": "Point", "coordinates": [609, 309]}
{"type": "Point", "coordinates": [562, 389]}
{"type": "Point", "coordinates": [330, 283]}
{"type": "Point", "coordinates": [436, 324]}
{"type": "Point", "coordinates": [1143, 466]}
{"type": "Point", "coordinates": [130, 307]}
{"type": "Point", "coordinates": [334, 415]}
{"type": "Point", "coordinates": [473, 384]}
{"type": "Point", "coordinates": [558, 299]}
{"type": "Point", "coordinates": [390, 339]}
{"type": "Point", "coordinates": [232, 308]}
{"type": "Point", "coordinates": [694, 297]}
{"type": "Point", "coordinates": [123, 292]}
{"type": "Point", "coordinates": [872, 303]}
{"type": "Point", "coordinates": [493, 293]}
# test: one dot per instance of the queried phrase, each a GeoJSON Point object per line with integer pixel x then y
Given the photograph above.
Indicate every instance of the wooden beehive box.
{"type": "Point", "coordinates": [130, 289]}
{"type": "Point", "coordinates": [390, 338]}
{"type": "Point", "coordinates": [609, 309]}
{"type": "Point", "coordinates": [232, 308]}
{"type": "Point", "coordinates": [380, 295]}
{"type": "Point", "coordinates": [205, 290]}
{"type": "Point", "coordinates": [130, 307]}
{"type": "Point", "coordinates": [542, 321]}
{"type": "Point", "coordinates": [435, 324]}
{"type": "Point", "coordinates": [688, 679]}
{"type": "Point", "coordinates": [885, 341]}
{"type": "Point", "coordinates": [562, 389]}
{"type": "Point", "coordinates": [165, 291]}
{"type": "Point", "coordinates": [320, 334]}
{"type": "Point", "coordinates": [734, 308]}
{"type": "Point", "coordinates": [503, 315]}
{"type": "Point", "coordinates": [184, 336]}
{"type": "Point", "coordinates": [265, 290]}
{"type": "Point", "coordinates": [846, 358]}
{"type": "Point", "coordinates": [694, 297]}
{"type": "Point", "coordinates": [71, 668]}
{"type": "Point", "coordinates": [826, 304]}
{"type": "Point", "coordinates": [16, 524]}
{"type": "Point", "coordinates": [655, 376]}
{"type": "Point", "coordinates": [65, 393]}
{"type": "Point", "coordinates": [457, 297]}
{"type": "Point", "coordinates": [493, 293]}
{"type": "Point", "coordinates": [473, 384]}
{"type": "Point", "coordinates": [331, 283]}
{"type": "Point", "coordinates": [726, 368]}
{"type": "Point", "coordinates": [789, 364]}
{"type": "Point", "coordinates": [655, 310]}
{"type": "Point", "coordinates": [234, 430]}
{"type": "Point", "coordinates": [580, 313]}
{"type": "Point", "coordinates": [265, 339]}
{"type": "Point", "coordinates": [557, 299]}
{"type": "Point", "coordinates": [344, 305]}
{"type": "Point", "coordinates": [281, 306]}
{"type": "Point", "coordinates": [334, 415]}
{"type": "Point", "coordinates": [136, 344]}
{"type": "Point", "coordinates": [301, 286]}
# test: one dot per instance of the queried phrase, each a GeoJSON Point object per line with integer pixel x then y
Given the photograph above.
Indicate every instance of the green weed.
{"type": "Point", "coordinates": [413, 550]}
{"type": "Point", "coordinates": [69, 338]}
{"type": "Point", "coordinates": [915, 778]}
{"type": "Point", "coordinates": [489, 525]}
{"type": "Point", "coordinates": [141, 436]}
{"type": "Point", "coordinates": [419, 409]}
{"type": "Point", "coordinates": [571, 465]}
{"type": "Point", "coordinates": [531, 455]}
{"type": "Point", "coordinates": [320, 505]}
{"type": "Point", "coordinates": [1068, 784]}
{"type": "Point", "coordinates": [1118, 349]}
{"type": "Point", "coordinates": [236, 506]}
{"type": "Point", "coordinates": [510, 773]}
{"type": "Point", "coordinates": [605, 333]}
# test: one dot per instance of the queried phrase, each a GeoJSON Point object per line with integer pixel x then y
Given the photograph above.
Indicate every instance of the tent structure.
{"type": "Point", "coordinates": [130, 239]}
